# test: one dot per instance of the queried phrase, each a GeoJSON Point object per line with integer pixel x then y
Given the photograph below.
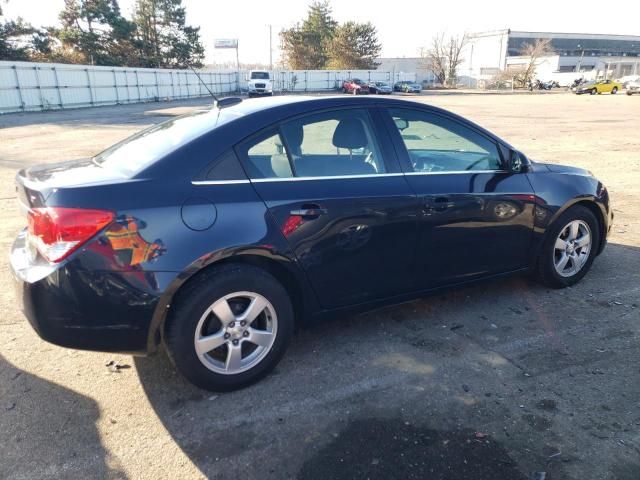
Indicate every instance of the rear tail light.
{"type": "Point", "coordinates": [57, 232]}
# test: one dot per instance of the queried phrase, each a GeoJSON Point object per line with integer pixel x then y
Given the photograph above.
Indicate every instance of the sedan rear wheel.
{"type": "Point", "coordinates": [236, 332]}
{"type": "Point", "coordinates": [569, 248]}
{"type": "Point", "coordinates": [230, 327]}
{"type": "Point", "coordinates": [614, 90]}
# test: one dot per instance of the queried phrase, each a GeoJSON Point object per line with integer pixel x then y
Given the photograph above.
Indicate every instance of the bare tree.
{"type": "Point", "coordinates": [444, 56]}
{"type": "Point", "coordinates": [541, 48]}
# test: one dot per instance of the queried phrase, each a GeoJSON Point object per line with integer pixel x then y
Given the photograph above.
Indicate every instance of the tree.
{"type": "Point", "coordinates": [305, 45]}
{"type": "Point", "coordinates": [18, 39]}
{"type": "Point", "coordinates": [301, 49]}
{"type": "Point", "coordinates": [98, 32]}
{"type": "Point", "coordinates": [444, 56]}
{"type": "Point", "coordinates": [541, 48]}
{"type": "Point", "coordinates": [320, 42]}
{"type": "Point", "coordinates": [163, 37]}
{"type": "Point", "coordinates": [14, 40]}
{"type": "Point", "coordinates": [354, 46]}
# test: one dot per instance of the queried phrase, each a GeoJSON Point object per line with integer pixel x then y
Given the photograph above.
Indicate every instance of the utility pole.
{"type": "Point", "coordinates": [270, 48]}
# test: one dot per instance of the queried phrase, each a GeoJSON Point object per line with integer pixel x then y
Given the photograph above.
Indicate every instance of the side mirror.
{"type": "Point", "coordinates": [517, 162]}
{"type": "Point", "coordinates": [401, 123]}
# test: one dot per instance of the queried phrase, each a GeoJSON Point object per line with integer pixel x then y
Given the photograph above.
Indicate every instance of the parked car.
{"type": "Point", "coordinates": [259, 82]}
{"type": "Point", "coordinates": [412, 87]}
{"type": "Point", "coordinates": [633, 87]}
{"type": "Point", "coordinates": [217, 232]}
{"type": "Point", "coordinates": [399, 86]}
{"type": "Point", "coordinates": [602, 86]}
{"type": "Point", "coordinates": [355, 86]}
{"type": "Point", "coordinates": [381, 88]}
{"type": "Point", "coordinates": [407, 87]}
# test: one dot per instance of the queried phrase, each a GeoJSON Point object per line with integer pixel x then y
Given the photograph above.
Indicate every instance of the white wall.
{"type": "Point", "coordinates": [483, 53]}
{"type": "Point", "coordinates": [27, 86]}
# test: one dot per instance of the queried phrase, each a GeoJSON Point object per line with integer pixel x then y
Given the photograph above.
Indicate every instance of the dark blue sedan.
{"type": "Point", "coordinates": [218, 232]}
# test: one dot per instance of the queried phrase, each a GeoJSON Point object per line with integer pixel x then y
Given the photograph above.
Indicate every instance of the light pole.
{"type": "Point", "coordinates": [581, 57]}
{"type": "Point", "coordinates": [270, 48]}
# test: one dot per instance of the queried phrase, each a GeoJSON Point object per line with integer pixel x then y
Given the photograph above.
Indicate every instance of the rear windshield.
{"type": "Point", "coordinates": [137, 152]}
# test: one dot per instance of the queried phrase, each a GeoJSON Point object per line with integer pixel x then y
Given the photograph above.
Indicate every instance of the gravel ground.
{"type": "Point", "coordinates": [501, 381]}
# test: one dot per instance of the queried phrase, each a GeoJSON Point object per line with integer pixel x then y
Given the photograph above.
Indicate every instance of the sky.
{"type": "Point", "coordinates": [402, 30]}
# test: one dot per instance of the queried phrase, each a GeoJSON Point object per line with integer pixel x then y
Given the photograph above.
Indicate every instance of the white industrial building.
{"type": "Point", "coordinates": [575, 55]}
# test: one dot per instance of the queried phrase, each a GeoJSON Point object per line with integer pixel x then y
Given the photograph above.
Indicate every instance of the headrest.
{"type": "Point", "coordinates": [350, 134]}
{"type": "Point", "coordinates": [280, 165]}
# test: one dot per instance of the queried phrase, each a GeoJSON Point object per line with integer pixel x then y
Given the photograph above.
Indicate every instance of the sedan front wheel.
{"type": "Point", "coordinates": [569, 248]}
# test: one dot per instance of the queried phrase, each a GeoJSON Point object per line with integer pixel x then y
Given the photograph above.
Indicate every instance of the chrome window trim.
{"type": "Point", "coordinates": [219, 182]}
{"type": "Point", "coordinates": [328, 177]}
{"type": "Point", "coordinates": [456, 172]}
{"type": "Point", "coordinates": [337, 177]}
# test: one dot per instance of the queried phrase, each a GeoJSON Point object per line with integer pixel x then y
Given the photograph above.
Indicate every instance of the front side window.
{"type": "Point", "coordinates": [438, 144]}
{"type": "Point", "coordinates": [328, 144]}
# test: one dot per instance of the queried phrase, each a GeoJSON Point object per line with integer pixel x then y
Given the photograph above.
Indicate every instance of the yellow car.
{"type": "Point", "coordinates": [601, 86]}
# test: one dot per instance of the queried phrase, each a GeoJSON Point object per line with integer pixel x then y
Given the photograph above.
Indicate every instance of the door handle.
{"type": "Point", "coordinates": [309, 211]}
{"type": "Point", "coordinates": [441, 204]}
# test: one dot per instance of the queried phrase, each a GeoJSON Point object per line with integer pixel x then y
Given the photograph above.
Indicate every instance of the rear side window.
{"type": "Point", "coordinates": [328, 144]}
{"type": "Point", "coordinates": [225, 168]}
{"type": "Point", "coordinates": [439, 144]}
{"type": "Point", "coordinates": [141, 150]}
{"type": "Point", "coordinates": [266, 157]}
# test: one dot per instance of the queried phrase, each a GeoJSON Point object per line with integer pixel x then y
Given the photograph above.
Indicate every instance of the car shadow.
{"type": "Point", "coordinates": [329, 411]}
{"type": "Point", "coordinates": [50, 440]}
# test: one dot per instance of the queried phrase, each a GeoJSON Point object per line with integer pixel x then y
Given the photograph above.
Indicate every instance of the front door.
{"type": "Point", "coordinates": [340, 201]}
{"type": "Point", "coordinates": [477, 217]}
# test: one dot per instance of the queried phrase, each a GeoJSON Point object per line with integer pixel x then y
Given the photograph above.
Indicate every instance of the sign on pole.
{"type": "Point", "coordinates": [225, 43]}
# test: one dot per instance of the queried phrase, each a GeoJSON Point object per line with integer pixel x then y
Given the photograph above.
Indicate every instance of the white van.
{"type": "Point", "coordinates": [260, 83]}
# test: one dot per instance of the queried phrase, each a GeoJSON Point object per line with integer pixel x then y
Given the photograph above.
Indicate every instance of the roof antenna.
{"type": "Point", "coordinates": [217, 102]}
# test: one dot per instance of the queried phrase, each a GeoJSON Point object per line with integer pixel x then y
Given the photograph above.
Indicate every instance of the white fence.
{"type": "Point", "coordinates": [26, 86]}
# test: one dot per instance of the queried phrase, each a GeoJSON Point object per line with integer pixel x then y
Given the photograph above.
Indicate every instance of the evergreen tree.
{"type": "Point", "coordinates": [354, 46]}
{"type": "Point", "coordinates": [306, 46]}
{"type": "Point", "coordinates": [320, 42]}
{"type": "Point", "coordinates": [163, 37]}
{"type": "Point", "coordinates": [98, 32]}
{"type": "Point", "coordinates": [17, 39]}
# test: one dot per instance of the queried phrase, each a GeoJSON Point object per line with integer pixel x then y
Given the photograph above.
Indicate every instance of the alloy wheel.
{"type": "Point", "coordinates": [236, 332]}
{"type": "Point", "coordinates": [572, 248]}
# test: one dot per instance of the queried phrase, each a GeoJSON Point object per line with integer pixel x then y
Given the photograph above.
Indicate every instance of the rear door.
{"type": "Point", "coordinates": [477, 217]}
{"type": "Point", "coordinates": [335, 190]}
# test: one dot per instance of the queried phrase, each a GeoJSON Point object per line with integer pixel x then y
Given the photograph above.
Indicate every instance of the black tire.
{"type": "Point", "coordinates": [198, 296]}
{"type": "Point", "coordinates": [545, 270]}
{"type": "Point", "coordinates": [593, 91]}
{"type": "Point", "coordinates": [614, 90]}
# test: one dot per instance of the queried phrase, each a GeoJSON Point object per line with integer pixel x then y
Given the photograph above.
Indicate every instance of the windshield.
{"type": "Point", "coordinates": [357, 81]}
{"type": "Point", "coordinates": [137, 152]}
{"type": "Point", "coordinates": [381, 84]}
{"type": "Point", "coordinates": [259, 75]}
